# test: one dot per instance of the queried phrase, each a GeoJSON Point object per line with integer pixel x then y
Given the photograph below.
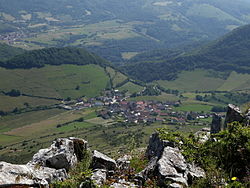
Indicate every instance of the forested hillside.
{"type": "Point", "coordinates": [229, 53]}
{"type": "Point", "coordinates": [53, 56]}
{"type": "Point", "coordinates": [7, 51]}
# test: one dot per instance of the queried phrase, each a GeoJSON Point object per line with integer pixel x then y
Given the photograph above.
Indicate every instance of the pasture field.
{"type": "Point", "coordinates": [163, 97]}
{"type": "Point", "coordinates": [131, 88]}
{"type": "Point", "coordinates": [86, 34]}
{"type": "Point", "coordinates": [129, 55]}
{"type": "Point", "coordinates": [202, 80]}
{"type": "Point", "coordinates": [8, 103]}
{"type": "Point", "coordinates": [194, 107]}
{"type": "Point", "coordinates": [56, 81]}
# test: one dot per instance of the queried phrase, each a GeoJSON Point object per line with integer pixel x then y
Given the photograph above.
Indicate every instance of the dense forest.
{"type": "Point", "coordinates": [53, 56]}
{"type": "Point", "coordinates": [7, 51]}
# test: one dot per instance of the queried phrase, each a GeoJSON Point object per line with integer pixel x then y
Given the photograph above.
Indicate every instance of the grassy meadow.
{"type": "Point", "coordinates": [56, 81]}
{"type": "Point", "coordinates": [203, 80]}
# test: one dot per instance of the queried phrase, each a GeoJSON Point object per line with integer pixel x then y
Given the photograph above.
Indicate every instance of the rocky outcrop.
{"type": "Point", "coordinates": [156, 146]}
{"type": "Point", "coordinates": [33, 176]}
{"type": "Point", "coordinates": [48, 165]}
{"type": "Point", "coordinates": [124, 162]}
{"type": "Point", "coordinates": [166, 164]}
{"type": "Point", "coordinates": [203, 135]}
{"type": "Point", "coordinates": [216, 124]}
{"type": "Point", "coordinates": [233, 114]}
{"type": "Point", "coordinates": [101, 161]}
{"type": "Point", "coordinates": [169, 165]}
{"type": "Point", "coordinates": [123, 184]}
{"type": "Point", "coordinates": [64, 153]}
{"type": "Point", "coordinates": [99, 177]}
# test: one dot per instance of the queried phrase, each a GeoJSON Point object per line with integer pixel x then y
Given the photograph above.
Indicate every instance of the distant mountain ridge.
{"type": "Point", "coordinates": [229, 53]}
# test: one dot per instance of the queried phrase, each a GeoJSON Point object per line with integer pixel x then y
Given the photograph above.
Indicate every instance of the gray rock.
{"type": "Point", "coordinates": [216, 124]}
{"type": "Point", "coordinates": [169, 165]}
{"type": "Point", "coordinates": [28, 175]}
{"type": "Point", "coordinates": [124, 162]}
{"type": "Point", "coordinates": [194, 172]}
{"type": "Point", "coordinates": [172, 166]}
{"type": "Point", "coordinates": [156, 146]}
{"type": "Point", "coordinates": [101, 161]}
{"type": "Point", "coordinates": [148, 171]}
{"type": "Point", "coordinates": [99, 177]}
{"type": "Point", "coordinates": [123, 184]}
{"type": "Point", "coordinates": [233, 114]}
{"type": "Point", "coordinates": [203, 135]}
{"type": "Point", "coordinates": [63, 153]}
{"type": "Point", "coordinates": [175, 185]}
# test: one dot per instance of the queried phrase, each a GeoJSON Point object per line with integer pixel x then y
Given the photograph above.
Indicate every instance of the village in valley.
{"type": "Point", "coordinates": [115, 105]}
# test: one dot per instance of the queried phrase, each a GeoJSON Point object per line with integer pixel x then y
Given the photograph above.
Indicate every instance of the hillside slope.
{"type": "Point", "coordinates": [59, 73]}
{"type": "Point", "coordinates": [53, 56]}
{"type": "Point", "coordinates": [229, 53]}
{"type": "Point", "coordinates": [7, 51]}
{"type": "Point", "coordinates": [112, 27]}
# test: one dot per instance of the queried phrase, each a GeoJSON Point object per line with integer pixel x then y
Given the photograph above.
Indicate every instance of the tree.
{"type": "Point", "coordinates": [218, 109]}
{"type": "Point", "coordinates": [68, 99]}
{"type": "Point", "coordinates": [77, 87]}
{"type": "Point", "coordinates": [14, 93]}
{"type": "Point", "coordinates": [199, 98]}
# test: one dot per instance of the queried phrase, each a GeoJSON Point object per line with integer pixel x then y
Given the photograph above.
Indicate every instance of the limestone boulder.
{"type": "Point", "coordinates": [99, 177]}
{"type": "Point", "coordinates": [124, 162]}
{"type": "Point", "coordinates": [123, 184]}
{"type": "Point", "coordinates": [203, 135]}
{"type": "Point", "coordinates": [172, 166]}
{"type": "Point", "coordinates": [12, 175]}
{"type": "Point", "coordinates": [233, 114]}
{"type": "Point", "coordinates": [156, 146]}
{"type": "Point", "coordinates": [101, 161]}
{"type": "Point", "coordinates": [64, 153]}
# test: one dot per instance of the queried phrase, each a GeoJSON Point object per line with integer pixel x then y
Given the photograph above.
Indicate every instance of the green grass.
{"type": "Point", "coordinates": [209, 11]}
{"type": "Point", "coordinates": [8, 103]}
{"type": "Point", "coordinates": [203, 80]}
{"type": "Point", "coordinates": [56, 81]}
{"type": "Point", "coordinates": [118, 78]}
{"type": "Point", "coordinates": [163, 97]}
{"type": "Point", "coordinates": [193, 95]}
{"type": "Point", "coordinates": [129, 55]}
{"type": "Point", "coordinates": [236, 81]}
{"type": "Point", "coordinates": [194, 108]}
{"type": "Point", "coordinates": [6, 139]}
{"type": "Point", "coordinates": [193, 80]}
{"type": "Point", "coordinates": [131, 88]}
{"type": "Point", "coordinates": [95, 33]}
{"type": "Point", "coordinates": [8, 123]}
{"type": "Point", "coordinates": [75, 125]}
{"type": "Point", "coordinates": [101, 135]}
